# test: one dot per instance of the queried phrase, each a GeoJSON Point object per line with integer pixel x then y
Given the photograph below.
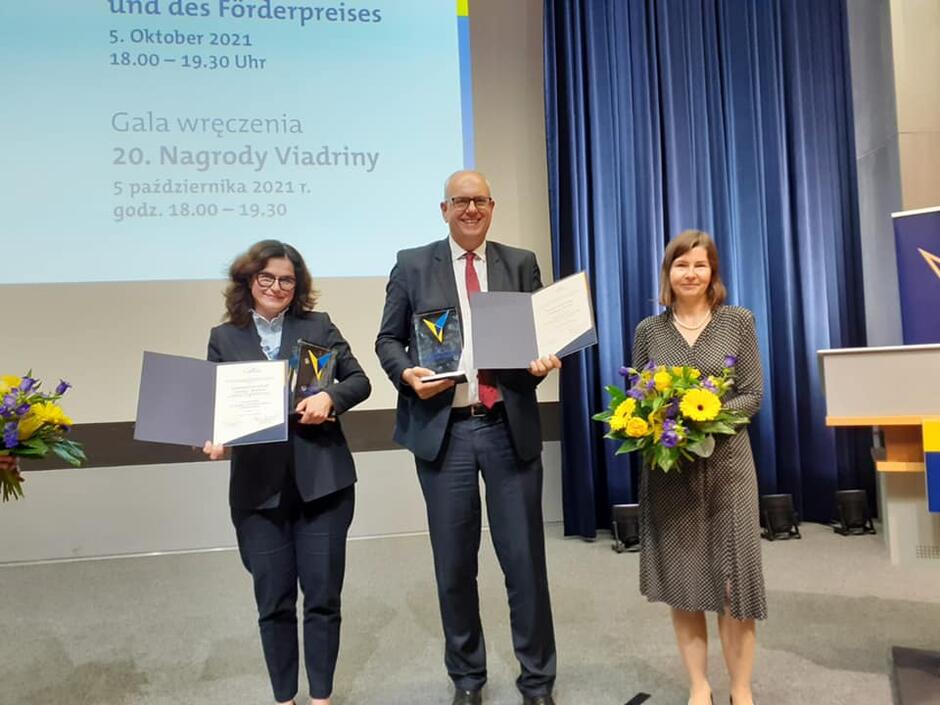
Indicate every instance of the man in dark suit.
{"type": "Point", "coordinates": [488, 425]}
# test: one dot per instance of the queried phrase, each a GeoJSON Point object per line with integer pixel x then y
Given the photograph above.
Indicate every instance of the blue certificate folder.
{"type": "Point", "coordinates": [177, 403]}
{"type": "Point", "coordinates": [510, 329]}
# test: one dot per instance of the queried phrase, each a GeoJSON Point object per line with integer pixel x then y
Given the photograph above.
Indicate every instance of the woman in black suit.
{"type": "Point", "coordinates": [291, 502]}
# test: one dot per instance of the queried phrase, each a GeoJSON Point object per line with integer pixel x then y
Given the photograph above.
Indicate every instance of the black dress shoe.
{"type": "Point", "coordinates": [467, 697]}
{"type": "Point", "coordinates": [538, 700]}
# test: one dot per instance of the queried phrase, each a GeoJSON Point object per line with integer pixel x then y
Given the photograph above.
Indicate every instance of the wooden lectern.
{"type": "Point", "coordinates": [894, 389]}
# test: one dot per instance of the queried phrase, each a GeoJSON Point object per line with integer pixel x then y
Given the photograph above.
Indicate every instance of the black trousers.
{"type": "Point", "coordinates": [305, 542]}
{"type": "Point", "coordinates": [514, 508]}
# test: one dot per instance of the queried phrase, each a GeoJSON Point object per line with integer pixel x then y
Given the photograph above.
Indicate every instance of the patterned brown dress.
{"type": "Point", "coordinates": [699, 527]}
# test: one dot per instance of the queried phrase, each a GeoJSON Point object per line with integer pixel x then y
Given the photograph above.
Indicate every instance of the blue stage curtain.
{"type": "Point", "coordinates": [733, 117]}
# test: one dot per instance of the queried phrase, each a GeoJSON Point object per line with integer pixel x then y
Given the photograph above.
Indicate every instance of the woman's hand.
{"type": "Point", "coordinates": [8, 462]}
{"type": "Point", "coordinates": [316, 409]}
{"type": "Point", "coordinates": [215, 451]}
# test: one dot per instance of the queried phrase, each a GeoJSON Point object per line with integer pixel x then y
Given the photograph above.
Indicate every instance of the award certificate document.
{"type": "Point", "coordinates": [187, 401]}
{"type": "Point", "coordinates": [249, 398]}
{"type": "Point", "coordinates": [511, 329]}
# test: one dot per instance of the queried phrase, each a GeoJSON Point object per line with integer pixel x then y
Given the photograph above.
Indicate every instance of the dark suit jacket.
{"type": "Point", "coordinates": [423, 280]}
{"type": "Point", "coordinates": [321, 459]}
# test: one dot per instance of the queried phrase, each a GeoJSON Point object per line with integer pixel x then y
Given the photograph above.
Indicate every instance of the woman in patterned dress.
{"type": "Point", "coordinates": [699, 528]}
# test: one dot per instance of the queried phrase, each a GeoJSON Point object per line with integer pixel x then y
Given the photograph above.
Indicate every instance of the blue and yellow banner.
{"type": "Point", "coordinates": [917, 239]}
{"type": "Point", "coordinates": [932, 462]}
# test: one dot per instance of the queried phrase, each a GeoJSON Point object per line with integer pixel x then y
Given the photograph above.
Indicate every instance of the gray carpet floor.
{"type": "Point", "coordinates": [180, 629]}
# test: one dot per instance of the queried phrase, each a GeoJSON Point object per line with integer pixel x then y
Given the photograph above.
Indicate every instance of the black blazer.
{"type": "Point", "coordinates": [423, 280]}
{"type": "Point", "coordinates": [321, 459]}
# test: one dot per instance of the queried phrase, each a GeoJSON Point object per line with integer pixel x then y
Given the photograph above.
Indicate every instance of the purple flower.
{"type": "Point", "coordinates": [651, 385]}
{"type": "Point", "coordinates": [669, 424]}
{"type": "Point", "coordinates": [9, 403]}
{"type": "Point", "coordinates": [730, 360]}
{"type": "Point", "coordinates": [709, 385]}
{"type": "Point", "coordinates": [22, 409]}
{"type": "Point", "coordinates": [669, 439]}
{"type": "Point", "coordinates": [27, 384]}
{"type": "Point", "coordinates": [10, 439]}
{"type": "Point", "coordinates": [650, 366]}
{"type": "Point", "coordinates": [637, 394]}
{"type": "Point", "coordinates": [63, 387]}
{"type": "Point", "coordinates": [673, 409]}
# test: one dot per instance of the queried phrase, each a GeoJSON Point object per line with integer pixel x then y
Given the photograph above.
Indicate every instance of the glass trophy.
{"type": "Point", "coordinates": [439, 344]}
{"type": "Point", "coordinates": [316, 369]}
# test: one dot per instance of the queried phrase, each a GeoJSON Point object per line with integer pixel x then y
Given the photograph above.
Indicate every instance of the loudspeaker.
{"type": "Point", "coordinates": [778, 517]}
{"type": "Point", "coordinates": [853, 517]}
{"type": "Point", "coordinates": [626, 527]}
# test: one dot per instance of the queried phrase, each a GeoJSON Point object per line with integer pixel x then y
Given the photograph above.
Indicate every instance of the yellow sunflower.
{"type": "Point", "coordinates": [700, 405]}
{"type": "Point", "coordinates": [42, 413]}
{"type": "Point", "coordinates": [625, 408]}
{"type": "Point", "coordinates": [617, 423]}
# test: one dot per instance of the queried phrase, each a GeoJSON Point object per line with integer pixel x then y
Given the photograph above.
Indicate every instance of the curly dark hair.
{"type": "Point", "coordinates": [238, 299]}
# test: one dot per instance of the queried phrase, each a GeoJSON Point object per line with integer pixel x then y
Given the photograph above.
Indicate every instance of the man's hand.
{"type": "Point", "coordinates": [544, 365]}
{"type": "Point", "coordinates": [215, 451]}
{"type": "Point", "coordinates": [316, 409]}
{"type": "Point", "coordinates": [425, 390]}
{"type": "Point", "coordinates": [8, 462]}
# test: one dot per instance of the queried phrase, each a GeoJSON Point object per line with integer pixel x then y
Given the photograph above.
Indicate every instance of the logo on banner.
{"type": "Point", "coordinates": [437, 327]}
{"type": "Point", "coordinates": [932, 260]}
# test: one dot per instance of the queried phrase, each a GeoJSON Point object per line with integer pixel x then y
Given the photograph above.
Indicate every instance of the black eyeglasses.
{"type": "Point", "coordinates": [462, 203]}
{"type": "Point", "coordinates": [266, 280]}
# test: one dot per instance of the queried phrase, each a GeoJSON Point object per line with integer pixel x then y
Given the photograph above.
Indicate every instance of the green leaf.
{"type": "Point", "coordinates": [628, 446]}
{"type": "Point", "coordinates": [704, 448]}
{"type": "Point", "coordinates": [22, 451]}
{"type": "Point", "coordinates": [617, 395]}
{"type": "Point", "coordinates": [65, 453]}
{"type": "Point", "coordinates": [717, 427]}
{"type": "Point", "coordinates": [35, 443]}
{"type": "Point", "coordinates": [602, 415]}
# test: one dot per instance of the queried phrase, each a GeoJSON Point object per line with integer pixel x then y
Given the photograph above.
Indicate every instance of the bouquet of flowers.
{"type": "Point", "coordinates": [670, 414]}
{"type": "Point", "coordinates": [32, 424]}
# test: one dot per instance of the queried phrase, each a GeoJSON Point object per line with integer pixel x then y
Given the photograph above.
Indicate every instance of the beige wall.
{"type": "Point", "coordinates": [877, 164]}
{"type": "Point", "coordinates": [94, 334]}
{"type": "Point", "coordinates": [915, 26]}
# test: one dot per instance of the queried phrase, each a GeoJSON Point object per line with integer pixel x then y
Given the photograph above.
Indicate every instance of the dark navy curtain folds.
{"type": "Point", "coordinates": [733, 117]}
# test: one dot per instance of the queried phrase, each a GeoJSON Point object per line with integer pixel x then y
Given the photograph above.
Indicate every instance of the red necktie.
{"type": "Point", "coordinates": [489, 394]}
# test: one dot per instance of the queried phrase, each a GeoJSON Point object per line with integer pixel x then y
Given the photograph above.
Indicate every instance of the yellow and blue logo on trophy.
{"type": "Point", "coordinates": [438, 325]}
{"type": "Point", "coordinates": [319, 363]}
{"type": "Point", "coordinates": [438, 340]}
{"type": "Point", "coordinates": [316, 369]}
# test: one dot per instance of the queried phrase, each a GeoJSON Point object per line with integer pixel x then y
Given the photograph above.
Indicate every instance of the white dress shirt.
{"type": "Point", "coordinates": [468, 393]}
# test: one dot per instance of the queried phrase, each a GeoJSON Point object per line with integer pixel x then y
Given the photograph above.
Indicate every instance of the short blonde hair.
{"type": "Point", "coordinates": [678, 246]}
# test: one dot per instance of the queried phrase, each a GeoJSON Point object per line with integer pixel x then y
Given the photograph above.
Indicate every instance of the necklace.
{"type": "Point", "coordinates": [705, 319]}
